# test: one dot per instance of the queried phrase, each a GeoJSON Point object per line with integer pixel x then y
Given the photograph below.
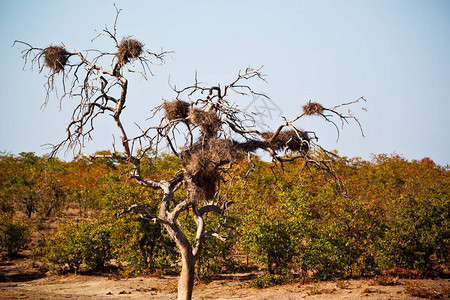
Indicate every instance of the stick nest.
{"type": "Point", "coordinates": [225, 151]}
{"type": "Point", "coordinates": [176, 109]}
{"type": "Point", "coordinates": [206, 119]}
{"type": "Point", "coordinates": [129, 49]}
{"type": "Point", "coordinates": [313, 108]}
{"type": "Point", "coordinates": [204, 165]}
{"type": "Point", "coordinates": [294, 140]}
{"type": "Point", "coordinates": [204, 175]}
{"type": "Point", "coordinates": [55, 58]}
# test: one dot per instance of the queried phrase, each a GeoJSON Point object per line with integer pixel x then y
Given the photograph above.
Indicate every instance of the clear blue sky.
{"type": "Point", "coordinates": [394, 53]}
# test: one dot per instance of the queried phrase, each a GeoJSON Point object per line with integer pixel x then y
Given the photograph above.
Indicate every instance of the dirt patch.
{"type": "Point", "coordinates": [19, 280]}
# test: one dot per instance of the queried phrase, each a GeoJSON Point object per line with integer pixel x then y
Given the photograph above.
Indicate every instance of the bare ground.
{"type": "Point", "coordinates": [19, 280]}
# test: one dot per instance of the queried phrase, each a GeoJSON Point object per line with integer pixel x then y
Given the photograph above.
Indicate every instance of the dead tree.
{"type": "Point", "coordinates": [201, 126]}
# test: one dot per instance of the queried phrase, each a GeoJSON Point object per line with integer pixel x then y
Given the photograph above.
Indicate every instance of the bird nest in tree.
{"type": "Point", "coordinates": [129, 49]}
{"type": "Point", "coordinates": [206, 119]}
{"type": "Point", "coordinates": [55, 57]}
{"type": "Point", "coordinates": [294, 140]}
{"type": "Point", "coordinates": [224, 151]}
{"type": "Point", "coordinates": [204, 163]}
{"type": "Point", "coordinates": [313, 108]}
{"type": "Point", "coordinates": [204, 176]}
{"type": "Point", "coordinates": [176, 109]}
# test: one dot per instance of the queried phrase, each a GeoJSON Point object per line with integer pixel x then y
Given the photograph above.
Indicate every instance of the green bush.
{"type": "Point", "coordinates": [269, 239]}
{"type": "Point", "coordinates": [142, 246]}
{"type": "Point", "coordinates": [419, 237]}
{"type": "Point", "coordinates": [14, 236]}
{"type": "Point", "coordinates": [341, 240]}
{"type": "Point", "coordinates": [215, 257]}
{"type": "Point", "coordinates": [319, 233]}
{"type": "Point", "coordinates": [139, 244]}
{"type": "Point", "coordinates": [98, 250]}
{"type": "Point", "coordinates": [76, 243]}
{"type": "Point", "coordinates": [65, 247]}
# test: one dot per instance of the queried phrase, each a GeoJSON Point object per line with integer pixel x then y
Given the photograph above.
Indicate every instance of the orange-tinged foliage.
{"type": "Point", "coordinates": [390, 213]}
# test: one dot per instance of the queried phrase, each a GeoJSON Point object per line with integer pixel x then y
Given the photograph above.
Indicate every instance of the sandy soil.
{"type": "Point", "coordinates": [18, 280]}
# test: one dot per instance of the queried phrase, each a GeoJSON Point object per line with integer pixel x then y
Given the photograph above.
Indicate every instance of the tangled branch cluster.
{"type": "Point", "coordinates": [217, 134]}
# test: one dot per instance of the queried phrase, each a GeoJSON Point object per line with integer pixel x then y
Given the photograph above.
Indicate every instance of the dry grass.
{"type": "Point", "coordinates": [368, 290]}
{"type": "Point", "coordinates": [385, 280]}
{"type": "Point", "coordinates": [417, 290]}
{"type": "Point", "coordinates": [313, 108]}
{"type": "Point", "coordinates": [317, 290]}
{"type": "Point", "coordinates": [129, 49]}
{"type": "Point", "coordinates": [343, 284]}
{"type": "Point", "coordinates": [55, 58]}
{"type": "Point", "coordinates": [176, 109]}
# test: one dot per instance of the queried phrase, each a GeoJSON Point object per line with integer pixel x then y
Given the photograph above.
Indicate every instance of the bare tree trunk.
{"type": "Point", "coordinates": [186, 281]}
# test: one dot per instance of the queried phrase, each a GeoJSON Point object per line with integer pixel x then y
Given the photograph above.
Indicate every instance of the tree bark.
{"type": "Point", "coordinates": [186, 281]}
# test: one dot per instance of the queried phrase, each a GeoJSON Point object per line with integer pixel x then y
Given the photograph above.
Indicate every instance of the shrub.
{"type": "Point", "coordinates": [14, 236]}
{"type": "Point", "coordinates": [65, 247]}
{"type": "Point", "coordinates": [268, 239]}
{"type": "Point", "coordinates": [215, 257]}
{"type": "Point", "coordinates": [418, 238]}
{"type": "Point", "coordinates": [98, 250]}
{"type": "Point", "coordinates": [141, 245]}
{"type": "Point", "coordinates": [76, 243]}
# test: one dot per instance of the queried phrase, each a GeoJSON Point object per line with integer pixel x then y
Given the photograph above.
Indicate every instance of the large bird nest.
{"type": "Point", "coordinates": [204, 162]}
{"type": "Point", "coordinates": [204, 176]}
{"type": "Point", "coordinates": [55, 58]}
{"type": "Point", "coordinates": [176, 109]}
{"type": "Point", "coordinates": [129, 49]}
{"type": "Point", "coordinates": [313, 108]}
{"type": "Point", "coordinates": [225, 151]}
{"type": "Point", "coordinates": [294, 140]}
{"type": "Point", "coordinates": [208, 121]}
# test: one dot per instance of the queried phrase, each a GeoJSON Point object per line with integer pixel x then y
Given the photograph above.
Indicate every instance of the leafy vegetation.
{"type": "Point", "coordinates": [80, 242]}
{"type": "Point", "coordinates": [14, 236]}
{"type": "Point", "coordinates": [392, 214]}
